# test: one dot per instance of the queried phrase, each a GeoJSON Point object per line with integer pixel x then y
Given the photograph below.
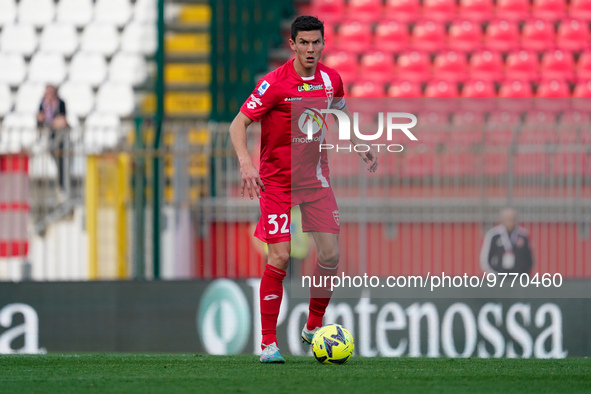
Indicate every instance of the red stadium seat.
{"type": "Point", "coordinates": [331, 10]}
{"type": "Point", "coordinates": [553, 88]}
{"type": "Point", "coordinates": [467, 128]}
{"type": "Point", "coordinates": [476, 10]}
{"type": "Point", "coordinates": [330, 36]}
{"type": "Point", "coordinates": [366, 10]}
{"type": "Point", "coordinates": [512, 9]}
{"type": "Point", "coordinates": [539, 128]}
{"type": "Point", "coordinates": [486, 65]}
{"type": "Point", "coordinates": [404, 89]}
{"type": "Point", "coordinates": [414, 66]}
{"type": "Point", "coordinates": [501, 126]}
{"type": "Point", "coordinates": [573, 35]}
{"type": "Point", "coordinates": [558, 64]}
{"type": "Point", "coordinates": [569, 164]}
{"type": "Point", "coordinates": [570, 122]}
{"type": "Point", "coordinates": [584, 66]}
{"type": "Point", "coordinates": [550, 10]}
{"type": "Point", "coordinates": [582, 89]}
{"type": "Point", "coordinates": [450, 66]}
{"type": "Point", "coordinates": [501, 35]}
{"type": "Point", "coordinates": [495, 164]}
{"type": "Point", "coordinates": [441, 88]}
{"type": "Point", "coordinates": [354, 36]}
{"type": "Point", "coordinates": [391, 36]}
{"type": "Point", "coordinates": [440, 10]}
{"type": "Point", "coordinates": [537, 35]}
{"type": "Point", "coordinates": [378, 66]}
{"type": "Point", "coordinates": [580, 9]}
{"type": "Point", "coordinates": [367, 89]}
{"type": "Point", "coordinates": [403, 10]}
{"type": "Point", "coordinates": [479, 88]}
{"type": "Point", "coordinates": [522, 65]}
{"type": "Point", "coordinates": [455, 164]}
{"type": "Point", "coordinates": [428, 35]}
{"type": "Point", "coordinates": [465, 35]}
{"type": "Point", "coordinates": [345, 62]}
{"type": "Point", "coordinates": [515, 88]}
{"type": "Point", "coordinates": [530, 164]}
{"type": "Point", "coordinates": [432, 127]}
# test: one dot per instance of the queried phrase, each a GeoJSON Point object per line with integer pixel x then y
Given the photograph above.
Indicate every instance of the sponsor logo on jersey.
{"type": "Point", "coordinates": [263, 88]}
{"type": "Point", "coordinates": [253, 102]}
{"type": "Point", "coordinates": [293, 99]}
{"type": "Point", "coordinates": [306, 87]}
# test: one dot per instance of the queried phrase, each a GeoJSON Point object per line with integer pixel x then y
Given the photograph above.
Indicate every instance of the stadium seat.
{"type": "Point", "coordinates": [101, 131]}
{"type": "Point", "coordinates": [78, 97]}
{"type": "Point", "coordinates": [75, 12]}
{"type": "Point", "coordinates": [36, 12]}
{"type": "Point", "coordinates": [403, 10]}
{"type": "Point", "coordinates": [345, 62]}
{"type": "Point", "coordinates": [354, 36]}
{"type": "Point", "coordinates": [331, 10]}
{"type": "Point", "coordinates": [19, 38]}
{"type": "Point", "coordinates": [47, 68]}
{"type": "Point", "coordinates": [573, 35]}
{"type": "Point", "coordinates": [558, 64]}
{"type": "Point", "coordinates": [553, 88]}
{"type": "Point", "coordinates": [550, 10]}
{"type": "Point", "coordinates": [59, 38]}
{"type": "Point", "coordinates": [570, 122]}
{"type": "Point", "coordinates": [465, 35]}
{"type": "Point", "coordinates": [527, 164]}
{"type": "Point", "coordinates": [330, 37]}
{"type": "Point", "coordinates": [584, 66]}
{"type": "Point", "coordinates": [128, 68]}
{"type": "Point", "coordinates": [537, 35]}
{"type": "Point", "coordinates": [569, 164]}
{"type": "Point", "coordinates": [404, 89]}
{"type": "Point", "coordinates": [14, 69]}
{"type": "Point", "coordinates": [115, 98]}
{"type": "Point", "coordinates": [522, 65]}
{"type": "Point", "coordinates": [486, 65]}
{"type": "Point", "coordinates": [5, 99]}
{"type": "Point", "coordinates": [432, 127]}
{"type": "Point", "coordinates": [139, 38]}
{"type": "Point", "coordinates": [582, 89]}
{"type": "Point", "coordinates": [478, 88]}
{"type": "Point", "coordinates": [8, 14]}
{"type": "Point", "coordinates": [439, 10]}
{"type": "Point", "coordinates": [100, 38]}
{"type": "Point", "coordinates": [514, 10]}
{"type": "Point", "coordinates": [476, 10]}
{"type": "Point", "coordinates": [414, 66]}
{"type": "Point", "coordinates": [115, 12]}
{"type": "Point", "coordinates": [441, 88]}
{"type": "Point", "coordinates": [390, 36]}
{"type": "Point", "coordinates": [467, 128]}
{"type": "Point", "coordinates": [501, 126]}
{"type": "Point", "coordinates": [18, 133]}
{"type": "Point", "coordinates": [501, 35]}
{"type": "Point", "coordinates": [28, 97]}
{"type": "Point", "coordinates": [367, 89]}
{"type": "Point", "coordinates": [450, 65]}
{"type": "Point", "coordinates": [580, 9]}
{"type": "Point", "coordinates": [90, 68]}
{"type": "Point", "coordinates": [428, 35]}
{"type": "Point", "coordinates": [378, 66]}
{"type": "Point", "coordinates": [365, 10]}
{"type": "Point", "coordinates": [144, 11]}
{"type": "Point", "coordinates": [515, 88]}
{"type": "Point", "coordinates": [539, 128]}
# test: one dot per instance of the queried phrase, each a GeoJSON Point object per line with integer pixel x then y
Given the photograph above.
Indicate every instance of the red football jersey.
{"type": "Point", "coordinates": [283, 135]}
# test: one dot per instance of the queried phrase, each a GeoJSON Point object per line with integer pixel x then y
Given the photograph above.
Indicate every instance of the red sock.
{"type": "Point", "coordinates": [271, 293]}
{"type": "Point", "coordinates": [319, 296]}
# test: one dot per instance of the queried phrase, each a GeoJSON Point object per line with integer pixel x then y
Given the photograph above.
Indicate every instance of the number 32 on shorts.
{"type": "Point", "coordinates": [284, 227]}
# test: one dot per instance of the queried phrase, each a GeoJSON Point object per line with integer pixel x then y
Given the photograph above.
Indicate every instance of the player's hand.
{"type": "Point", "coordinates": [251, 181]}
{"type": "Point", "coordinates": [371, 159]}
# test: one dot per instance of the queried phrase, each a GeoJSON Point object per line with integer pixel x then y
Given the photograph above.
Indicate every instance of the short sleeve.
{"type": "Point", "coordinates": [263, 98]}
{"type": "Point", "coordinates": [339, 97]}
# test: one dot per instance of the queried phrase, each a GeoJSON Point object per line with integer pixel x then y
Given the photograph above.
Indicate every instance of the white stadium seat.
{"type": "Point", "coordinates": [28, 97]}
{"type": "Point", "coordinates": [49, 68]}
{"type": "Point", "coordinates": [90, 68]}
{"type": "Point", "coordinates": [8, 14]}
{"type": "Point", "coordinates": [14, 68]}
{"type": "Point", "coordinates": [77, 12]}
{"type": "Point", "coordinates": [115, 98]}
{"type": "Point", "coordinates": [60, 38]}
{"type": "Point", "coordinates": [139, 38]}
{"type": "Point", "coordinates": [36, 12]}
{"type": "Point", "coordinates": [19, 38]}
{"type": "Point", "coordinates": [5, 99]}
{"type": "Point", "coordinates": [100, 38]}
{"type": "Point", "coordinates": [19, 132]}
{"type": "Point", "coordinates": [101, 131]}
{"type": "Point", "coordinates": [145, 11]}
{"type": "Point", "coordinates": [128, 68]}
{"type": "Point", "coordinates": [78, 97]}
{"type": "Point", "coordinates": [112, 11]}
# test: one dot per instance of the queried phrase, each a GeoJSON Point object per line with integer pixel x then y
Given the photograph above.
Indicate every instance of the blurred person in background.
{"type": "Point", "coordinates": [506, 247]}
{"type": "Point", "coordinates": [52, 115]}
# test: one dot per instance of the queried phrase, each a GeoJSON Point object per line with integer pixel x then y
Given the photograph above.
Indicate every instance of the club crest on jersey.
{"type": "Point", "coordinates": [335, 215]}
{"type": "Point", "coordinates": [306, 87]}
{"type": "Point", "coordinates": [263, 88]}
{"type": "Point", "coordinates": [329, 92]}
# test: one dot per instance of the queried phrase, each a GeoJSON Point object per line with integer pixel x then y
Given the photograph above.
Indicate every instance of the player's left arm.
{"type": "Point", "coordinates": [370, 156]}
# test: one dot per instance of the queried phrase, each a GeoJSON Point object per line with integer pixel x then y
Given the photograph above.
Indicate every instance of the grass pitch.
{"type": "Point", "coordinates": [169, 373]}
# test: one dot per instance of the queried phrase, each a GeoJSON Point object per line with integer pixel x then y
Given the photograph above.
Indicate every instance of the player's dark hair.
{"type": "Point", "coordinates": [306, 23]}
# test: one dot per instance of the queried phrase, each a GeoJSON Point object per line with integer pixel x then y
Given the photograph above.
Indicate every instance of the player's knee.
{"type": "Point", "coordinates": [329, 258]}
{"type": "Point", "coordinates": [279, 259]}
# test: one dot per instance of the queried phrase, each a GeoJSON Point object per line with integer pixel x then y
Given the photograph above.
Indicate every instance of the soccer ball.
{"type": "Point", "coordinates": [333, 344]}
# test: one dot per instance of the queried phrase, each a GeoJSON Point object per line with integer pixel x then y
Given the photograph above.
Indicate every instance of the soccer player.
{"type": "Point", "coordinates": [279, 186]}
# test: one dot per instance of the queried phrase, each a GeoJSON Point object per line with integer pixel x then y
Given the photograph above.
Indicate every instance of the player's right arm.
{"type": "Point", "coordinates": [249, 175]}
